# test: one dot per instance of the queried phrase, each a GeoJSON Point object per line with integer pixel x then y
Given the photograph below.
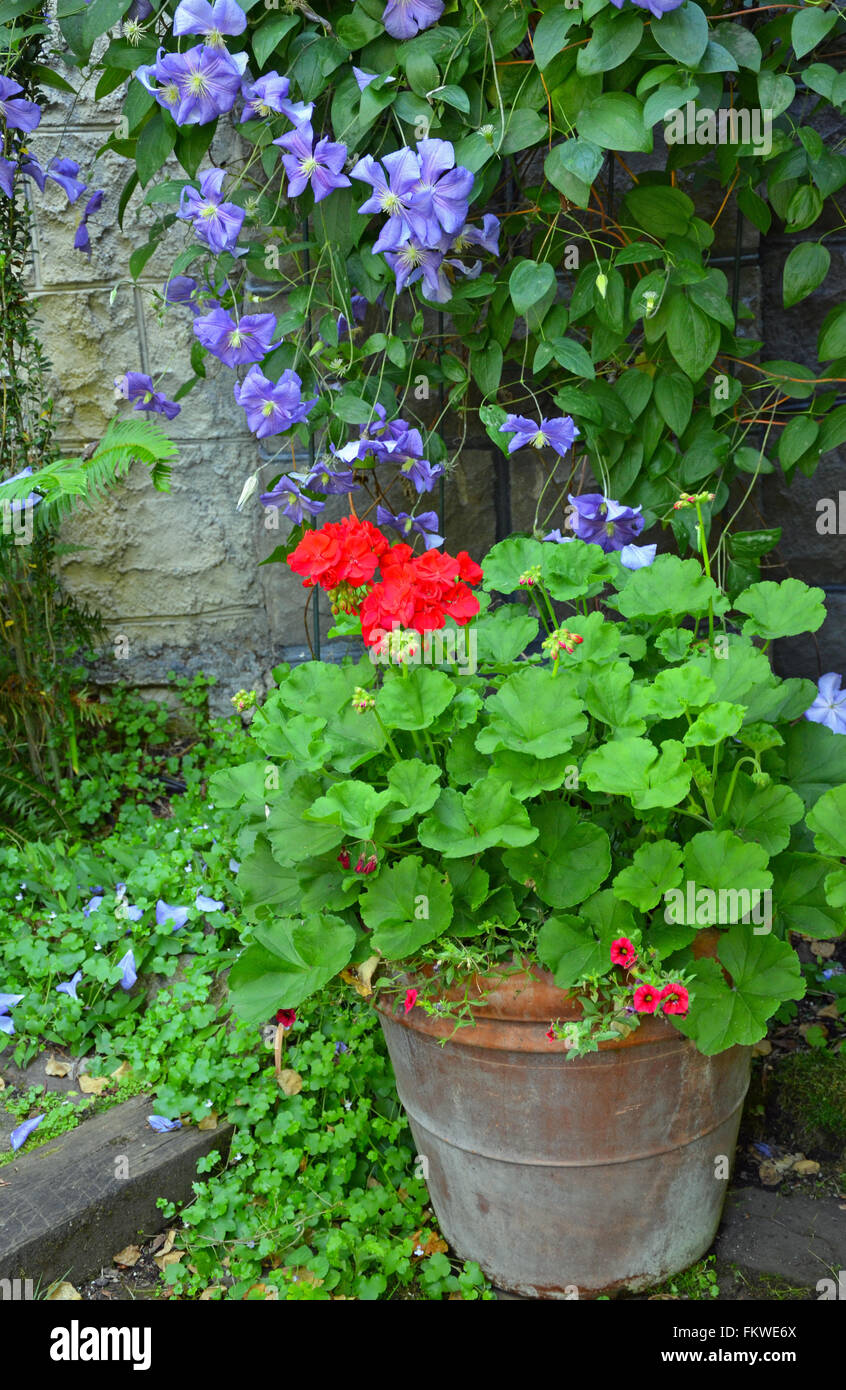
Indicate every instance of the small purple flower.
{"type": "Point", "coordinates": [405, 18]}
{"type": "Point", "coordinates": [216, 223]}
{"type": "Point", "coordinates": [604, 522]}
{"type": "Point", "coordinates": [656, 7]}
{"type": "Point", "coordinates": [340, 1047]}
{"type": "Point", "coordinates": [558, 434]}
{"type": "Point", "coordinates": [763, 1149]}
{"type": "Point", "coordinates": [166, 913]}
{"type": "Point", "coordinates": [425, 524]}
{"type": "Point", "coordinates": [64, 172]}
{"type": "Point", "coordinates": [829, 707]}
{"type": "Point", "coordinates": [421, 472]}
{"type": "Point", "coordinates": [272, 408]}
{"type": "Point", "coordinates": [18, 113]}
{"type": "Point", "coordinates": [162, 1125]}
{"type": "Point", "coordinates": [486, 236]}
{"type": "Point", "coordinates": [182, 289]}
{"type": "Point", "coordinates": [137, 387]}
{"type": "Point", "coordinates": [69, 986]}
{"type": "Point", "coordinates": [82, 241]}
{"type": "Point", "coordinates": [33, 170]}
{"type": "Point", "coordinates": [291, 501]}
{"type": "Point", "coordinates": [235, 344]}
{"type": "Point", "coordinates": [638, 557]}
{"type": "Point", "coordinates": [318, 166]}
{"type": "Point", "coordinates": [92, 904]}
{"type": "Point", "coordinates": [364, 79]}
{"type": "Point", "coordinates": [128, 973]}
{"type": "Point", "coordinates": [268, 96]}
{"type": "Point", "coordinates": [208, 904]}
{"type": "Point", "coordinates": [213, 21]}
{"type": "Point", "coordinates": [19, 1136]}
{"type": "Point", "coordinates": [7, 177]}
{"type": "Point", "coordinates": [331, 482]}
{"type": "Point", "coordinates": [358, 304]}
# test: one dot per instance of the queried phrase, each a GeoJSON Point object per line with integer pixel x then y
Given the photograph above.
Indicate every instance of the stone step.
{"type": "Point", "coordinates": [799, 1239]}
{"type": "Point", "coordinates": [70, 1205]}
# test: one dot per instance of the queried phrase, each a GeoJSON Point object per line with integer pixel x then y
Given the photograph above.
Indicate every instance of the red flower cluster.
{"type": "Point", "coordinates": [341, 552]}
{"type": "Point", "coordinates": [419, 592]}
{"type": "Point", "coordinates": [673, 999]}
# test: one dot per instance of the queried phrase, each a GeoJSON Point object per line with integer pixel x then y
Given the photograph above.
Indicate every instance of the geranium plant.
{"type": "Point", "coordinates": [555, 759]}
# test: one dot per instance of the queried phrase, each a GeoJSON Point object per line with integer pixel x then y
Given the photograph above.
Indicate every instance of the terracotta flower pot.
{"type": "Point", "coordinates": [567, 1179]}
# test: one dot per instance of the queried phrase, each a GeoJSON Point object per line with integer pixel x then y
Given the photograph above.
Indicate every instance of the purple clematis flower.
{"type": "Point", "coordinates": [441, 197]}
{"type": "Point", "coordinates": [425, 524]}
{"type": "Point", "coordinates": [412, 262]}
{"type": "Point", "coordinates": [656, 7]}
{"type": "Point", "coordinates": [207, 81]}
{"type": "Point", "coordinates": [69, 986]}
{"type": "Point", "coordinates": [405, 18]}
{"type": "Point", "coordinates": [64, 172]}
{"type": "Point", "coordinates": [268, 96]}
{"type": "Point", "coordinates": [216, 223]}
{"type": "Point", "coordinates": [19, 1136]}
{"type": "Point", "coordinates": [272, 408]}
{"type": "Point", "coordinates": [486, 236]}
{"type": "Point", "coordinates": [558, 434]}
{"type": "Point", "coordinates": [128, 973]}
{"type": "Point", "coordinates": [392, 193]}
{"type": "Point", "coordinates": [7, 177]}
{"type": "Point", "coordinates": [162, 1125]}
{"type": "Point", "coordinates": [604, 522]}
{"type": "Point", "coordinates": [17, 113]}
{"type": "Point", "coordinates": [358, 304]}
{"type": "Point", "coordinates": [249, 340]}
{"type": "Point", "coordinates": [92, 904]}
{"type": "Point", "coordinates": [82, 241]}
{"type": "Point", "coordinates": [363, 79]}
{"type": "Point", "coordinates": [20, 502]}
{"type": "Point", "coordinates": [137, 387]}
{"type": "Point", "coordinates": [558, 538]}
{"type": "Point", "coordinates": [213, 21]}
{"type": "Point", "coordinates": [318, 166]}
{"type": "Point", "coordinates": [829, 707]}
{"type": "Point", "coordinates": [7, 1002]}
{"type": "Point", "coordinates": [182, 289]}
{"type": "Point", "coordinates": [293, 503]}
{"type": "Point", "coordinates": [208, 904]}
{"type": "Point", "coordinates": [166, 913]}
{"type": "Point", "coordinates": [638, 557]}
{"type": "Point", "coordinates": [331, 482]}
{"type": "Point", "coordinates": [33, 170]}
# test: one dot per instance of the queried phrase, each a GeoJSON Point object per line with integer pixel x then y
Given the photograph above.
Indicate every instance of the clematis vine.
{"type": "Point", "coordinates": [138, 388]}
{"type": "Point", "coordinates": [559, 434]}
{"type": "Point", "coordinates": [405, 18]}
{"type": "Point", "coordinates": [424, 524]}
{"type": "Point", "coordinates": [268, 96]}
{"type": "Point", "coordinates": [195, 87]}
{"type": "Point", "coordinates": [291, 501]}
{"type": "Point", "coordinates": [82, 241]}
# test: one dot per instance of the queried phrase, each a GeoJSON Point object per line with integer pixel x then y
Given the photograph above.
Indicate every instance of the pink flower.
{"type": "Point", "coordinates": [410, 1000]}
{"type": "Point", "coordinates": [550, 1036]}
{"type": "Point", "coordinates": [287, 1017]}
{"type": "Point", "coordinates": [646, 999]}
{"type": "Point", "coordinates": [623, 952]}
{"type": "Point", "coordinates": [674, 999]}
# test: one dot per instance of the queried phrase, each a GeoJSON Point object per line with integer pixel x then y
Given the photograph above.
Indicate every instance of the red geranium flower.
{"type": "Point", "coordinates": [674, 999]}
{"type": "Point", "coordinates": [623, 952]}
{"type": "Point", "coordinates": [287, 1017]}
{"type": "Point", "coordinates": [646, 999]}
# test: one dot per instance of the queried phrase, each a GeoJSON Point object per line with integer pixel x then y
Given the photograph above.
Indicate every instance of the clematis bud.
{"type": "Point", "coordinates": [602, 284]}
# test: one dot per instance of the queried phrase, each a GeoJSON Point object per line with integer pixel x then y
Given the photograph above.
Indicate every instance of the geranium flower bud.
{"type": "Point", "coordinates": [344, 859]}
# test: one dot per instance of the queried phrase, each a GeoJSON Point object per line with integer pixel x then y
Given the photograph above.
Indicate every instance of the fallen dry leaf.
{"type": "Point", "coordinates": [435, 1245]}
{"type": "Point", "coordinates": [268, 1292]}
{"type": "Point", "coordinates": [824, 949]}
{"type": "Point", "coordinates": [64, 1293]}
{"type": "Point", "coordinates": [122, 1072]}
{"type": "Point", "coordinates": [210, 1121]}
{"type": "Point", "coordinates": [171, 1258]}
{"type": "Point", "coordinates": [127, 1257]}
{"type": "Point", "coordinates": [762, 1048]}
{"type": "Point", "coordinates": [829, 1011]}
{"type": "Point", "coordinates": [92, 1085]}
{"type": "Point", "coordinates": [55, 1067]}
{"type": "Point", "coordinates": [301, 1275]}
{"type": "Point", "coordinates": [2, 1084]}
{"type": "Point", "coordinates": [360, 976]}
{"type": "Point", "coordinates": [806, 1167]}
{"type": "Point", "coordinates": [769, 1174]}
{"type": "Point", "coordinates": [207, 1296]}
{"type": "Point", "coordinates": [290, 1081]}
